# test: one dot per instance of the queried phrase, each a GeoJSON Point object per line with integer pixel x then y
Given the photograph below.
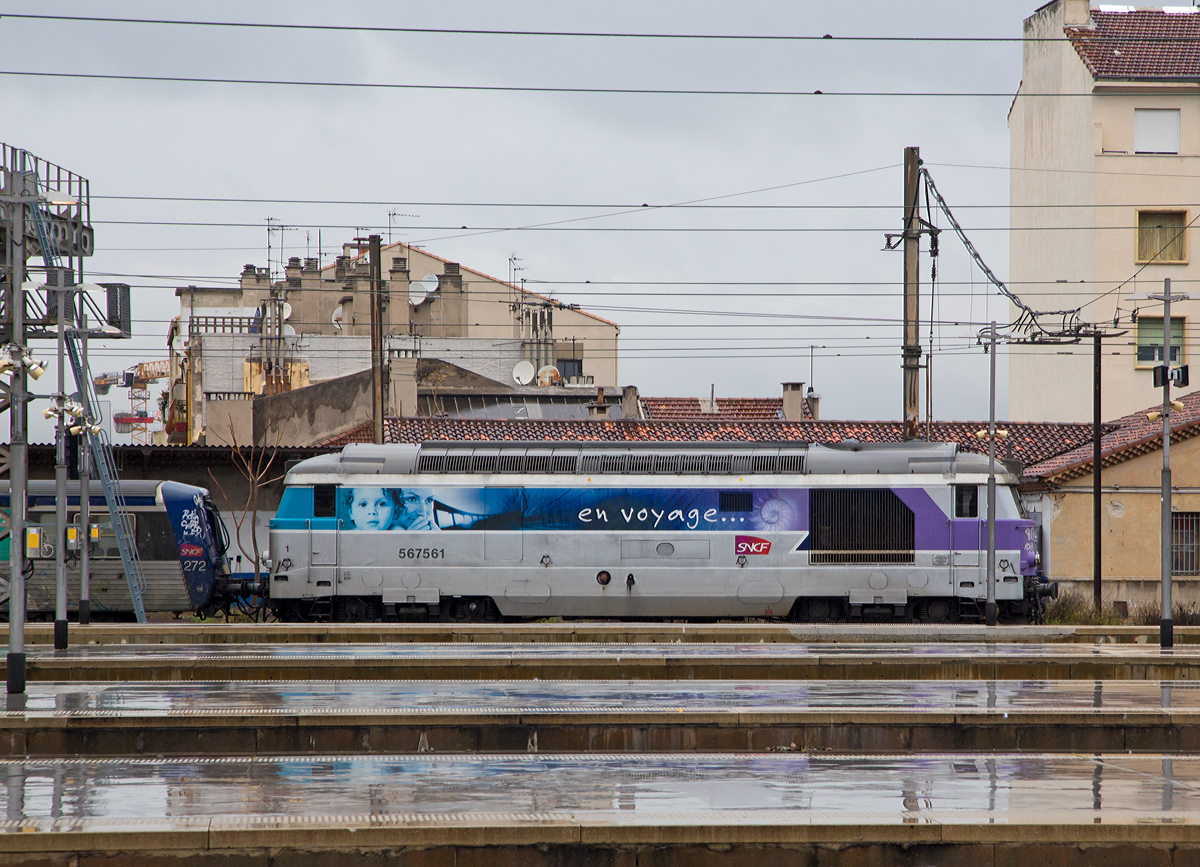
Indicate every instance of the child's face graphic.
{"type": "Point", "coordinates": [371, 509]}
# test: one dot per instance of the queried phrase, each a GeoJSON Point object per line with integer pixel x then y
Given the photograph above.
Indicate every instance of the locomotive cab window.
{"type": "Point", "coordinates": [324, 501]}
{"type": "Point", "coordinates": [966, 501]}
{"type": "Point", "coordinates": [736, 501]}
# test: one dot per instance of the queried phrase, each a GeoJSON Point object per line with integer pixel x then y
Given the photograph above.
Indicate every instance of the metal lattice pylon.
{"type": "Point", "coordinates": [101, 448]}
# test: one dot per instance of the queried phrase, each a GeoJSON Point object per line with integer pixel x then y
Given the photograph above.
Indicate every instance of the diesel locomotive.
{"type": "Point", "coordinates": [483, 531]}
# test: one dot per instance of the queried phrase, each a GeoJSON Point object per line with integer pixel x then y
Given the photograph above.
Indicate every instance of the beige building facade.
{"type": "Point", "coordinates": [1131, 509]}
{"type": "Point", "coordinates": [263, 337]}
{"type": "Point", "coordinates": [1104, 188]}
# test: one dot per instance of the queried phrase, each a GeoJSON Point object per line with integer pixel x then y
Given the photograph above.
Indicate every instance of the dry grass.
{"type": "Point", "coordinates": [1150, 614]}
{"type": "Point", "coordinates": [1075, 609]}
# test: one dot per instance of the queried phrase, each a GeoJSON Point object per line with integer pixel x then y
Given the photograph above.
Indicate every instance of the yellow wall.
{"type": "Point", "coordinates": [1130, 523]}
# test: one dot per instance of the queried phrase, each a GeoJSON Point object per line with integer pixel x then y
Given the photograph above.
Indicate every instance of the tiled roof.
{"type": "Point", "coordinates": [1028, 442]}
{"type": "Point", "coordinates": [1124, 439]}
{"type": "Point", "coordinates": [1140, 43]}
{"type": "Point", "coordinates": [689, 408]}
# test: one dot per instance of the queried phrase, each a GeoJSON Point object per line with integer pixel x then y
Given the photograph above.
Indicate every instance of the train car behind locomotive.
{"type": "Point", "coordinates": [477, 531]}
{"type": "Point", "coordinates": [177, 532]}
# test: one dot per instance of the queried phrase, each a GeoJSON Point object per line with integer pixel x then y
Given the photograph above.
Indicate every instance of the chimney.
{"type": "Point", "coordinates": [399, 263]}
{"type": "Point", "coordinates": [451, 269]}
{"type": "Point", "coordinates": [1077, 13]}
{"type": "Point", "coordinates": [599, 409]}
{"type": "Point", "coordinates": [293, 271]}
{"type": "Point", "coordinates": [630, 402]}
{"type": "Point", "coordinates": [341, 265]}
{"type": "Point", "coordinates": [814, 404]}
{"type": "Point", "coordinates": [312, 264]}
{"type": "Point", "coordinates": [793, 401]}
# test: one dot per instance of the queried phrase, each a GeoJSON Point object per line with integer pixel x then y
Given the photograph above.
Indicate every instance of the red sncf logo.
{"type": "Point", "coordinates": [191, 551]}
{"type": "Point", "coordinates": [751, 545]}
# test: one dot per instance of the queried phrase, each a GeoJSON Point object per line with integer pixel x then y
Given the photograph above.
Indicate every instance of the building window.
{"type": "Point", "coordinates": [966, 501]}
{"type": "Point", "coordinates": [1150, 340]}
{"type": "Point", "coordinates": [1156, 130]}
{"type": "Point", "coordinates": [569, 367]}
{"type": "Point", "coordinates": [1162, 237]}
{"type": "Point", "coordinates": [1185, 543]}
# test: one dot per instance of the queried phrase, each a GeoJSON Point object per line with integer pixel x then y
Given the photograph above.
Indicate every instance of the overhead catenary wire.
{"type": "Point", "coordinates": [585, 34]}
{"type": "Point", "coordinates": [544, 88]}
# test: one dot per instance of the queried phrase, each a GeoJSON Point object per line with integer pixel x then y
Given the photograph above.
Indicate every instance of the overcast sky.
{"type": "Point", "coordinates": [409, 150]}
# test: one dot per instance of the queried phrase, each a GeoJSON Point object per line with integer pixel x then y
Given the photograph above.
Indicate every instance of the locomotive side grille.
{"type": "Point", "coordinates": [851, 526]}
{"type": "Point", "coordinates": [612, 463]}
{"type": "Point", "coordinates": [764, 463]}
{"type": "Point", "coordinates": [720, 465]}
{"type": "Point", "coordinates": [641, 463]}
{"type": "Point", "coordinates": [430, 463]}
{"type": "Point", "coordinates": [612, 459]}
{"type": "Point", "coordinates": [791, 462]}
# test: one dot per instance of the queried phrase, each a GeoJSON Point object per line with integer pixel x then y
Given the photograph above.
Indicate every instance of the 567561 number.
{"type": "Point", "coordinates": [422, 553]}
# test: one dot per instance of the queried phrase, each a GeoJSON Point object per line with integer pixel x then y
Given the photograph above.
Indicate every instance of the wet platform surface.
{"type": "Point", "coordinates": [663, 785]}
{"type": "Point", "coordinates": [614, 661]}
{"type": "Point", "coordinates": [599, 632]}
{"type": "Point", "coordinates": [274, 718]}
{"type": "Point", "coordinates": [512, 651]}
{"type": "Point", "coordinates": [148, 699]}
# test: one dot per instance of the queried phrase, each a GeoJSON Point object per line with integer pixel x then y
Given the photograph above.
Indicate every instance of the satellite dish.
{"type": "Point", "coordinates": [418, 291]}
{"type": "Point", "coordinates": [523, 373]}
{"type": "Point", "coordinates": [289, 331]}
{"type": "Point", "coordinates": [337, 317]}
{"type": "Point", "coordinates": [548, 375]}
{"type": "Point", "coordinates": [287, 310]}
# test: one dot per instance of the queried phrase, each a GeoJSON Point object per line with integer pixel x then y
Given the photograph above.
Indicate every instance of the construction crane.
{"type": "Point", "coordinates": [137, 379]}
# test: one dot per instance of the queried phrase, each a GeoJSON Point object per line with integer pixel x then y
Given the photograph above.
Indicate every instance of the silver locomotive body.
{"type": "Point", "coordinates": [476, 531]}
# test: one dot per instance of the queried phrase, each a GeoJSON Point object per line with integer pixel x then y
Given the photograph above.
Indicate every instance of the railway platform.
{"type": "Point", "coordinates": [616, 661]}
{"type": "Point", "coordinates": [410, 717]}
{"type": "Point", "coordinates": [933, 809]}
{"type": "Point", "coordinates": [590, 632]}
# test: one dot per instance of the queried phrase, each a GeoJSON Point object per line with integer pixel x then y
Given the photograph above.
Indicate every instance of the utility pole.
{"type": "Point", "coordinates": [377, 366]}
{"type": "Point", "coordinates": [17, 185]}
{"type": "Point", "coordinates": [1166, 627]}
{"type": "Point", "coordinates": [1096, 471]}
{"type": "Point", "coordinates": [85, 491]}
{"type": "Point", "coordinates": [1163, 375]}
{"type": "Point", "coordinates": [912, 255]}
{"type": "Point", "coordinates": [990, 607]}
{"type": "Point", "coordinates": [60, 474]}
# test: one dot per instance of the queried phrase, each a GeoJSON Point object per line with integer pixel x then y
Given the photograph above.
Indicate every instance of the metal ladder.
{"type": "Point", "coordinates": [118, 512]}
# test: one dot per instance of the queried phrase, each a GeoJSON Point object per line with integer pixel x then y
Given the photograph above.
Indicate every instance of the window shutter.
{"type": "Point", "coordinates": [1156, 130]}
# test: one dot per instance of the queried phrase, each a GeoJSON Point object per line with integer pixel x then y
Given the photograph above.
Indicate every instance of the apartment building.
{"type": "Point", "coordinates": [1104, 191]}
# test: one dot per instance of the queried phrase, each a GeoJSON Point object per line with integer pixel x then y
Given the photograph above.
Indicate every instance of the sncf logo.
{"type": "Point", "coordinates": [751, 545]}
{"type": "Point", "coordinates": [191, 551]}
